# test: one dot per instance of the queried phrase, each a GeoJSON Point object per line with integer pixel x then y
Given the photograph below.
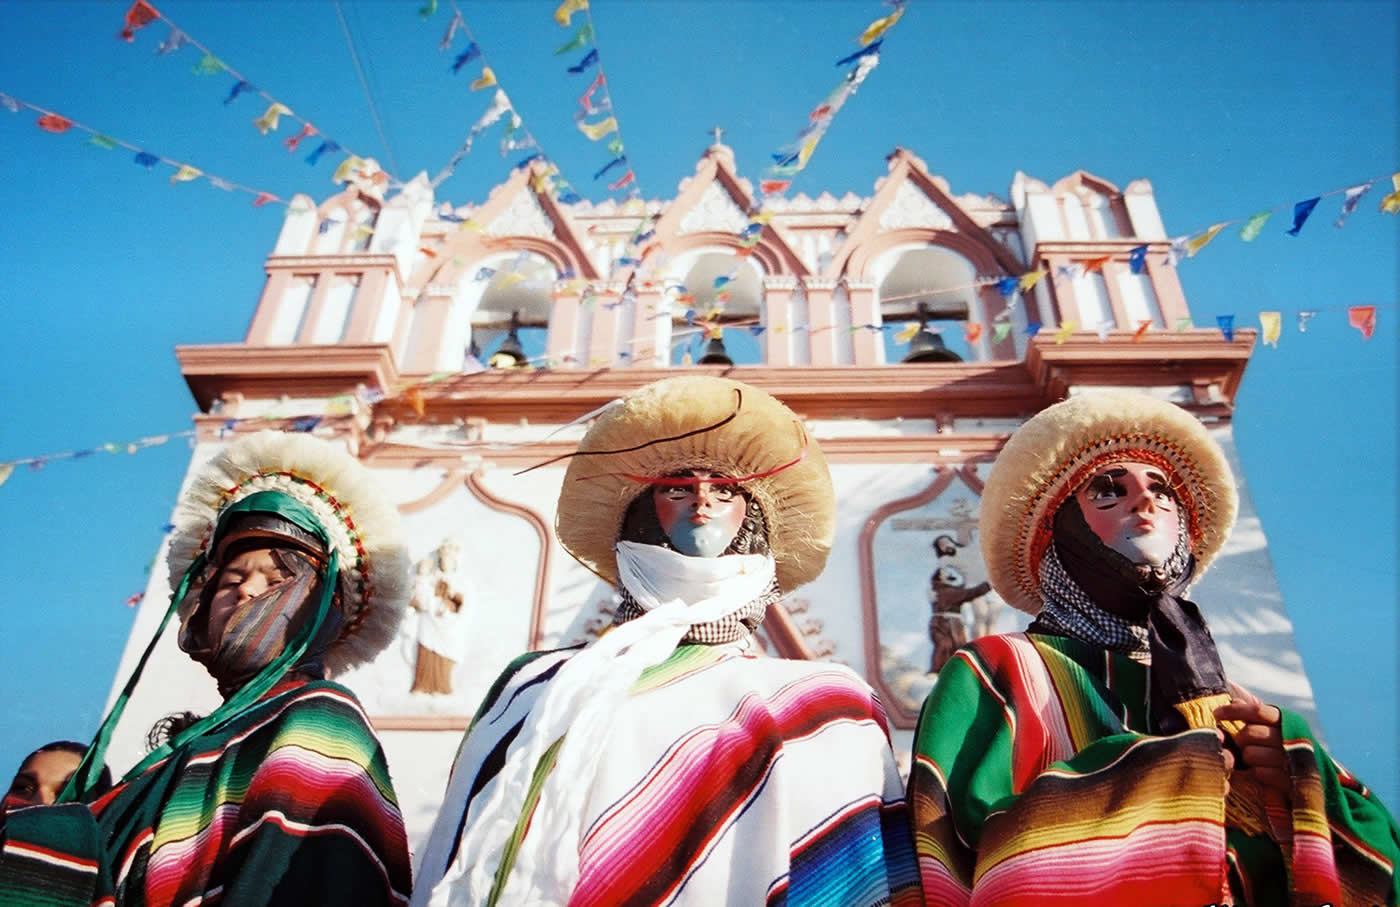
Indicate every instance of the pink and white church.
{"type": "Point", "coordinates": [376, 311]}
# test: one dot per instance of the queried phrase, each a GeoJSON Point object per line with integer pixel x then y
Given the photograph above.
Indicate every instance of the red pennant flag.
{"type": "Point", "coordinates": [135, 600]}
{"type": "Point", "coordinates": [773, 187]}
{"type": "Point", "coordinates": [651, 247]}
{"type": "Point", "coordinates": [628, 177]}
{"type": "Point", "coordinates": [140, 14]}
{"type": "Point", "coordinates": [1363, 318]}
{"type": "Point", "coordinates": [1141, 329]}
{"type": "Point", "coordinates": [263, 198]}
{"type": "Point", "coordinates": [52, 122]}
{"type": "Point", "coordinates": [974, 331]}
{"type": "Point", "coordinates": [1096, 264]}
{"type": "Point", "coordinates": [307, 130]}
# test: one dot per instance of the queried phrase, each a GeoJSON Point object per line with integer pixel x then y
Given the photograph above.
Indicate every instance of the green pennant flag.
{"type": "Point", "coordinates": [1254, 225]}
{"type": "Point", "coordinates": [103, 142]}
{"type": "Point", "coordinates": [584, 36]}
{"type": "Point", "coordinates": [615, 146]}
{"type": "Point", "coordinates": [208, 65]}
{"type": "Point", "coordinates": [1000, 330]}
{"type": "Point", "coordinates": [1183, 323]}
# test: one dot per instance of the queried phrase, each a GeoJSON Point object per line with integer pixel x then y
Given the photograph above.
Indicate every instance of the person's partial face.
{"type": "Point", "coordinates": [1131, 508]}
{"type": "Point", "coordinates": [701, 520]}
{"type": "Point", "coordinates": [246, 576]}
{"type": "Point", "coordinates": [42, 778]}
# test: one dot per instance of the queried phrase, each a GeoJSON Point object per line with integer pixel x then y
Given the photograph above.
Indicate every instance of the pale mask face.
{"type": "Point", "coordinates": [1131, 508]}
{"type": "Point", "coordinates": [701, 520]}
{"type": "Point", "coordinates": [246, 576]}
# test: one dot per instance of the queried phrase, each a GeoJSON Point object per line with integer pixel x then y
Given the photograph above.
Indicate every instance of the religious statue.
{"type": "Point", "coordinates": [442, 627]}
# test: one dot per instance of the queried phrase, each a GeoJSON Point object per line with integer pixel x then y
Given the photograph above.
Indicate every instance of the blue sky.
{"type": "Point", "coordinates": [1228, 108]}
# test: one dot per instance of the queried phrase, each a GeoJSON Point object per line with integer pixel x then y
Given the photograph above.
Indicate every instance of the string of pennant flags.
{"type": "Point", "coordinates": [184, 172]}
{"type": "Point", "coordinates": [596, 101]}
{"type": "Point", "coordinates": [516, 135]}
{"type": "Point", "coordinates": [142, 13]}
{"type": "Point", "coordinates": [793, 158]}
{"type": "Point", "coordinates": [1361, 317]}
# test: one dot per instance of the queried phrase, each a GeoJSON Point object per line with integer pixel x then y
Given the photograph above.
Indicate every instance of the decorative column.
{"type": "Point", "coordinates": [274, 292]}
{"type": "Point", "coordinates": [777, 292]}
{"type": "Point", "coordinates": [820, 320]}
{"type": "Point", "coordinates": [867, 345]}
{"type": "Point", "coordinates": [561, 348]}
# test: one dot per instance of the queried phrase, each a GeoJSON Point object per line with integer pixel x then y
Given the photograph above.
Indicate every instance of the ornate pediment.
{"type": "Point", "coordinates": [912, 208]}
{"type": "Point", "coordinates": [716, 212]}
{"type": "Point", "coordinates": [522, 217]}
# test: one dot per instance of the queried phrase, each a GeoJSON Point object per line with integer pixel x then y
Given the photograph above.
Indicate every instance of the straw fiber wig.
{"type": "Point", "coordinates": [334, 495]}
{"type": "Point", "coordinates": [698, 422]}
{"type": "Point", "coordinates": [1057, 451]}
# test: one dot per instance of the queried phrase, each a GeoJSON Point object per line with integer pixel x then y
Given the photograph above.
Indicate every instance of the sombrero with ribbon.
{"type": "Point", "coordinates": [699, 422]}
{"type": "Point", "coordinates": [1053, 454]}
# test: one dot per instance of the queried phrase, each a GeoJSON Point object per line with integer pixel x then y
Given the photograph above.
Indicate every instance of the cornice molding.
{"type": "Point", "coordinates": [269, 372]}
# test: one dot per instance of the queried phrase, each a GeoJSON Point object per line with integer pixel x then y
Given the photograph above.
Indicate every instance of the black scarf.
{"type": "Point", "coordinates": [1184, 662]}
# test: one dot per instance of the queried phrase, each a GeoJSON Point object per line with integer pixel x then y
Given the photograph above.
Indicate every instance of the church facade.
{"type": "Point", "coordinates": [906, 326]}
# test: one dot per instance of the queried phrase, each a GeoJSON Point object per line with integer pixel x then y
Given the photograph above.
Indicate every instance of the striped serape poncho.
{"type": "Point", "coordinates": [1033, 783]}
{"type": "Point", "coordinates": [289, 803]}
{"type": "Point", "coordinates": [726, 779]}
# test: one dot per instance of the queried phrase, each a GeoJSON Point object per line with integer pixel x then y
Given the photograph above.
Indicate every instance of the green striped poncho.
{"type": "Point", "coordinates": [1033, 782]}
{"type": "Point", "coordinates": [289, 803]}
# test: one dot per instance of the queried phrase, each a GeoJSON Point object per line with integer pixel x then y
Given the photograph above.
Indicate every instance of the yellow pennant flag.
{"type": "Point", "coordinates": [346, 169]}
{"type": "Point", "coordinates": [1063, 333]}
{"type": "Point", "coordinates": [1391, 203]}
{"type": "Point", "coordinates": [805, 152]}
{"type": "Point", "coordinates": [1272, 323]}
{"type": "Point", "coordinates": [879, 27]}
{"type": "Point", "coordinates": [761, 217]}
{"type": "Point", "coordinates": [596, 131]}
{"type": "Point", "coordinates": [486, 80]}
{"type": "Point", "coordinates": [506, 280]}
{"type": "Point", "coordinates": [362, 232]}
{"type": "Point", "coordinates": [1029, 280]}
{"type": "Point", "coordinates": [1197, 243]}
{"type": "Point", "coordinates": [185, 174]}
{"type": "Point", "coordinates": [268, 121]}
{"type": "Point", "coordinates": [5, 470]}
{"type": "Point", "coordinates": [907, 333]}
{"type": "Point", "coordinates": [565, 13]}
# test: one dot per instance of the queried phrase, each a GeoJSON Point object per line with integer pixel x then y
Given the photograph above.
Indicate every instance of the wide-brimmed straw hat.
{"type": "Point", "coordinates": [1056, 452]}
{"type": "Point", "coordinates": [362, 526]}
{"type": "Point", "coordinates": [709, 423]}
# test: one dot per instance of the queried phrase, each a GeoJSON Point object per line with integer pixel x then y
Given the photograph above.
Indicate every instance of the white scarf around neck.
{"type": "Point", "coordinates": [676, 591]}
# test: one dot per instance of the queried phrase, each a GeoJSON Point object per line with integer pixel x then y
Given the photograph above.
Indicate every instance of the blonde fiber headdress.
{"type": "Point", "coordinates": [362, 525]}
{"type": "Point", "coordinates": [1056, 452]}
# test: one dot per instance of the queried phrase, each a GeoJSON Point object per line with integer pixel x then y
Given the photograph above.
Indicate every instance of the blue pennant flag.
{"type": "Point", "coordinates": [146, 159]}
{"type": "Point", "coordinates": [466, 56]}
{"type": "Point", "coordinates": [609, 165]}
{"type": "Point", "coordinates": [1137, 259]}
{"type": "Point", "coordinates": [1227, 326]}
{"type": "Point", "coordinates": [1300, 215]}
{"type": "Point", "coordinates": [570, 198]}
{"type": "Point", "coordinates": [590, 59]}
{"type": "Point", "coordinates": [327, 147]}
{"type": "Point", "coordinates": [305, 423]}
{"type": "Point", "coordinates": [872, 48]}
{"type": "Point", "coordinates": [238, 88]}
{"type": "Point", "coordinates": [1007, 285]}
{"type": "Point", "coordinates": [528, 160]}
{"type": "Point", "coordinates": [1032, 328]}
